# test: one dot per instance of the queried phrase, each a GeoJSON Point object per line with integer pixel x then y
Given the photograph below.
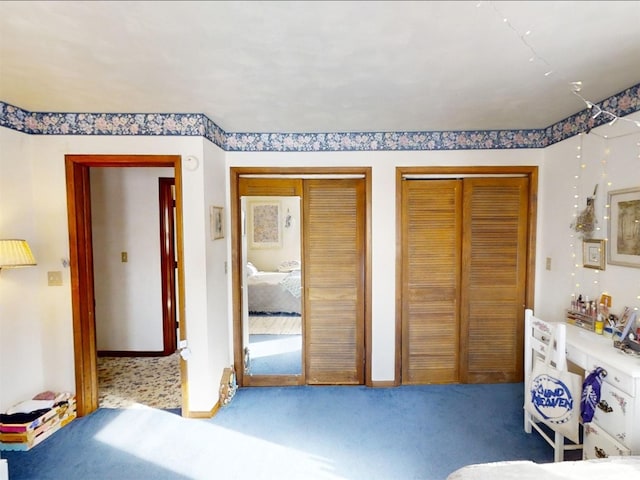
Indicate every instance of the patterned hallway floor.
{"type": "Point", "coordinates": [128, 382]}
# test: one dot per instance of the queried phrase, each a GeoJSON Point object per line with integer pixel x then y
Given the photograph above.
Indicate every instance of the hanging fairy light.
{"type": "Point", "coordinates": [605, 176]}
{"type": "Point", "coordinates": [573, 246]}
{"type": "Point", "coordinates": [575, 86]}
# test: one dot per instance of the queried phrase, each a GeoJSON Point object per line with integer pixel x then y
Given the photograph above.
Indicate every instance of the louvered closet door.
{"type": "Point", "coordinates": [334, 241]}
{"type": "Point", "coordinates": [431, 227]}
{"type": "Point", "coordinates": [493, 279]}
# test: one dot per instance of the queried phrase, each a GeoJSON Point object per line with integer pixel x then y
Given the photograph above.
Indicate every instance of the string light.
{"type": "Point", "coordinates": [575, 86]}
{"type": "Point", "coordinates": [597, 110]}
{"type": "Point", "coordinates": [573, 243]}
{"type": "Point", "coordinates": [605, 177]}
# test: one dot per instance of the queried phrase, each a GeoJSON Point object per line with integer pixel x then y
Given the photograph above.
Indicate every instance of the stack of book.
{"type": "Point", "coordinates": [24, 436]}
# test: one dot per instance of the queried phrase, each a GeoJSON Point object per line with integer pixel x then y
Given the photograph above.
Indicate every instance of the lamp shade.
{"type": "Point", "coordinates": [15, 253]}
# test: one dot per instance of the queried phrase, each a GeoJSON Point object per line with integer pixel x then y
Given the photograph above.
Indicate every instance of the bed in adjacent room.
{"type": "Point", "coordinates": [274, 292]}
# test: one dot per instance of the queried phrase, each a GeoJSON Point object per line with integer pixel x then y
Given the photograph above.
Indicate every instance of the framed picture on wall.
{"type": "Point", "coordinates": [217, 222]}
{"type": "Point", "coordinates": [624, 227]}
{"type": "Point", "coordinates": [265, 226]}
{"type": "Point", "coordinates": [593, 254]}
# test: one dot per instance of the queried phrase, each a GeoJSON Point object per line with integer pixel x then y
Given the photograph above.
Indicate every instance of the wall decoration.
{"type": "Point", "coordinates": [585, 222]}
{"type": "Point", "coordinates": [624, 227]}
{"type": "Point", "coordinates": [593, 254]}
{"type": "Point", "coordinates": [265, 224]}
{"type": "Point", "coordinates": [217, 222]}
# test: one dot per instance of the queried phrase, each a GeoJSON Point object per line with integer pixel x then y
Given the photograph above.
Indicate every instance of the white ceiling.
{"type": "Point", "coordinates": [321, 66]}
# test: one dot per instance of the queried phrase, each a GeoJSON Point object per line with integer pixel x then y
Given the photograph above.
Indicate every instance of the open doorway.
{"type": "Point", "coordinates": [132, 222]}
{"type": "Point", "coordinates": [82, 264]}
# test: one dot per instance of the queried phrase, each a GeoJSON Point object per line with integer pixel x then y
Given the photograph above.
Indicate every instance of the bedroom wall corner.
{"type": "Point", "coordinates": [609, 157]}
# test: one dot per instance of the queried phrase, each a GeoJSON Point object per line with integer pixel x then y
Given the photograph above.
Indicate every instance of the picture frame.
{"type": "Point", "coordinates": [623, 224]}
{"type": "Point", "coordinates": [265, 225]}
{"type": "Point", "coordinates": [623, 322]}
{"type": "Point", "coordinates": [216, 215]}
{"type": "Point", "coordinates": [593, 253]}
{"type": "Point", "coordinates": [628, 325]}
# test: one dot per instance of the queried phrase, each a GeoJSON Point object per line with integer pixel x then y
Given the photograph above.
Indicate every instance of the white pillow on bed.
{"type": "Point", "coordinates": [251, 269]}
{"type": "Point", "coordinates": [289, 266]}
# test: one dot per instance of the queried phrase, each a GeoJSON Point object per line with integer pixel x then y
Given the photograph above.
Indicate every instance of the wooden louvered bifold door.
{"type": "Point", "coordinates": [334, 246]}
{"type": "Point", "coordinates": [431, 224]}
{"type": "Point", "coordinates": [493, 279]}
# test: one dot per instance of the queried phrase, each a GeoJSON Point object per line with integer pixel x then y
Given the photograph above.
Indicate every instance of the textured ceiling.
{"type": "Point", "coordinates": [321, 66]}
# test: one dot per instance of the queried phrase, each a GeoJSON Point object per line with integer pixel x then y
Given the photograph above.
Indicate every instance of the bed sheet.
{"type": "Point", "coordinates": [606, 468]}
{"type": "Point", "coordinates": [271, 292]}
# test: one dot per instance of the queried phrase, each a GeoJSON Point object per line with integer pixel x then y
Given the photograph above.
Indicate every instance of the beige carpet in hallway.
{"type": "Point", "coordinates": [129, 382]}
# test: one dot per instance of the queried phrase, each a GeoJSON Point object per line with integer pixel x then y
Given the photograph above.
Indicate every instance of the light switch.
{"type": "Point", "coordinates": [124, 257]}
{"type": "Point", "coordinates": [54, 279]}
{"type": "Point", "coordinates": [548, 263]}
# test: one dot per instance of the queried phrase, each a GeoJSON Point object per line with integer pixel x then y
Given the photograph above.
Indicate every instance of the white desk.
{"type": "Point", "coordinates": [615, 428]}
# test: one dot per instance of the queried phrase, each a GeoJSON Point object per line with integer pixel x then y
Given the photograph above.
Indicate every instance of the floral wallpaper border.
{"type": "Point", "coordinates": [197, 124]}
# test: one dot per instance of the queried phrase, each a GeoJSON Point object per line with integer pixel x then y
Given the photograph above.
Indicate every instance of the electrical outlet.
{"type": "Point", "coordinates": [548, 263]}
{"type": "Point", "coordinates": [54, 279]}
{"type": "Point", "coordinates": [124, 257]}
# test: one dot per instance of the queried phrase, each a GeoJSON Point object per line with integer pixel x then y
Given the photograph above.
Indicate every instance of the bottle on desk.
{"type": "Point", "coordinates": [598, 326]}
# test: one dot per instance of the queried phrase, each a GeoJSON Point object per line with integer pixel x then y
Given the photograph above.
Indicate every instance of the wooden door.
{"type": "Point", "coordinates": [334, 279]}
{"type": "Point", "coordinates": [465, 245]}
{"type": "Point", "coordinates": [494, 267]}
{"type": "Point", "coordinates": [168, 264]}
{"type": "Point", "coordinates": [431, 231]}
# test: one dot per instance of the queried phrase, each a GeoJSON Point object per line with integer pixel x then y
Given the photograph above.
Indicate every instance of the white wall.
{"type": "Point", "coordinates": [22, 292]}
{"type": "Point", "coordinates": [220, 343]}
{"type": "Point", "coordinates": [38, 338]}
{"type": "Point", "coordinates": [612, 163]}
{"type": "Point", "coordinates": [38, 349]}
{"type": "Point", "coordinates": [126, 218]}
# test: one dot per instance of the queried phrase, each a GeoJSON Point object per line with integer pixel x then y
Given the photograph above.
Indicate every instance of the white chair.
{"type": "Point", "coordinates": [537, 342]}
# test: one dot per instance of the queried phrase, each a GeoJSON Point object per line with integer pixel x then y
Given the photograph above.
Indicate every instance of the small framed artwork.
{"type": "Point", "coordinates": [624, 227]}
{"type": "Point", "coordinates": [624, 324]}
{"type": "Point", "coordinates": [264, 226]}
{"type": "Point", "coordinates": [593, 254]}
{"type": "Point", "coordinates": [217, 222]}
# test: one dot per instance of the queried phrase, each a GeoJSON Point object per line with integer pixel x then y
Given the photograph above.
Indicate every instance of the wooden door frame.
{"type": "Point", "coordinates": [81, 255]}
{"type": "Point", "coordinates": [530, 171]}
{"type": "Point", "coordinates": [236, 250]}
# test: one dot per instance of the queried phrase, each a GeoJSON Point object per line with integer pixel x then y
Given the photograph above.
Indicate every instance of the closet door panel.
{"type": "Point", "coordinates": [493, 278]}
{"type": "Point", "coordinates": [334, 218]}
{"type": "Point", "coordinates": [431, 225]}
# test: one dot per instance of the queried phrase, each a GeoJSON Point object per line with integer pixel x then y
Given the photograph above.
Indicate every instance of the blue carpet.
{"type": "Point", "coordinates": [276, 354]}
{"type": "Point", "coordinates": [349, 433]}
